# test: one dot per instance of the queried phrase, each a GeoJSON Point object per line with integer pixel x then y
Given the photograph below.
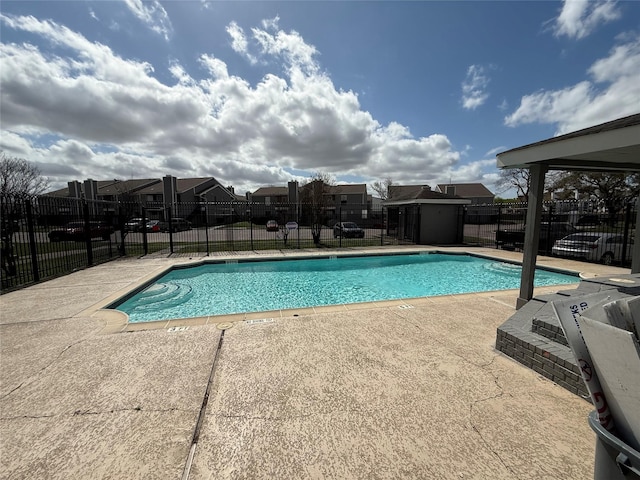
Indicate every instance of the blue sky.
{"type": "Point", "coordinates": [260, 93]}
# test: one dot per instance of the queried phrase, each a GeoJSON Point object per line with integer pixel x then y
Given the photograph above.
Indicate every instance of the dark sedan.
{"type": "Point", "coordinates": [75, 231]}
{"type": "Point", "coordinates": [347, 230]}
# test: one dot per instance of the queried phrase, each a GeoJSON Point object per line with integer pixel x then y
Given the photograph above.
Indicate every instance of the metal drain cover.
{"type": "Point", "coordinates": [224, 326]}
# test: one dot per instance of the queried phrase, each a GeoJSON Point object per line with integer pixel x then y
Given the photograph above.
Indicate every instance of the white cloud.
{"type": "Point", "coordinates": [612, 93]}
{"type": "Point", "coordinates": [495, 150]}
{"type": "Point", "coordinates": [297, 54]}
{"type": "Point", "coordinates": [111, 118]}
{"type": "Point", "coordinates": [152, 14]}
{"type": "Point", "coordinates": [239, 42]}
{"type": "Point", "coordinates": [579, 18]}
{"type": "Point", "coordinates": [474, 87]}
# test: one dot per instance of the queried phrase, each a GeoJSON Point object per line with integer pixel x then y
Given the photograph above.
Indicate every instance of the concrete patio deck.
{"type": "Point", "coordinates": [410, 389]}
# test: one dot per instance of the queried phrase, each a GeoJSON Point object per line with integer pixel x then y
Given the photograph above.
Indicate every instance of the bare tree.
{"type": "Point", "coordinates": [514, 178]}
{"type": "Point", "coordinates": [313, 194]}
{"type": "Point", "coordinates": [382, 188]}
{"type": "Point", "coordinates": [20, 181]}
{"type": "Point", "coordinates": [519, 179]}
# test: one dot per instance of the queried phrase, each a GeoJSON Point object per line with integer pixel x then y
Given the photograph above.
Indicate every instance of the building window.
{"type": "Point", "coordinates": [450, 190]}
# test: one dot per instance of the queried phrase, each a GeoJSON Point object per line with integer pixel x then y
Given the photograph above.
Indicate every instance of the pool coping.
{"type": "Point", "coordinates": [116, 321]}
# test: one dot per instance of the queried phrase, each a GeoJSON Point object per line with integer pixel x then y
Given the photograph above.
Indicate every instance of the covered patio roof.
{"type": "Point", "coordinates": [613, 146]}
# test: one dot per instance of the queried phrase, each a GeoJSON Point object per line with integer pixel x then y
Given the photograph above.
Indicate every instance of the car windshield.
{"type": "Point", "coordinates": [350, 225]}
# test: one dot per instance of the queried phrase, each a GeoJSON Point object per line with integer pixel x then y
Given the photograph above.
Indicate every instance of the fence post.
{"type": "Point", "coordinates": [251, 224]}
{"type": "Point", "coordinates": [170, 230]}
{"type": "Point", "coordinates": [121, 222]}
{"type": "Point", "coordinates": [145, 241]}
{"type": "Point", "coordinates": [495, 237]}
{"type": "Point", "coordinates": [87, 232]}
{"type": "Point", "coordinates": [625, 238]}
{"type": "Point", "coordinates": [547, 247]}
{"type": "Point", "coordinates": [231, 228]}
{"type": "Point", "coordinates": [206, 225]}
{"type": "Point", "coordinates": [464, 220]}
{"type": "Point", "coordinates": [32, 243]}
{"type": "Point", "coordinates": [382, 222]}
{"type": "Point", "coordinates": [340, 223]}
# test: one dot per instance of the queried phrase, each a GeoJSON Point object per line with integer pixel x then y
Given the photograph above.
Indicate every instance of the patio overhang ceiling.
{"type": "Point", "coordinates": [612, 146]}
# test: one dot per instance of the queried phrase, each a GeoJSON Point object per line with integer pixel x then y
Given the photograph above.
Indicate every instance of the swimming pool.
{"type": "Point", "coordinates": [253, 286]}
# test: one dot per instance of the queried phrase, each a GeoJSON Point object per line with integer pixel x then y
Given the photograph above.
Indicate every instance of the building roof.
{"type": "Point", "coordinates": [218, 186]}
{"type": "Point", "coordinates": [184, 184]}
{"type": "Point", "coordinates": [145, 186]}
{"type": "Point", "coordinates": [271, 191]}
{"type": "Point", "coordinates": [466, 190]}
{"type": "Point", "coordinates": [405, 191]}
{"type": "Point", "coordinates": [348, 188]}
{"type": "Point", "coordinates": [110, 187]}
{"type": "Point", "coordinates": [118, 187]}
{"type": "Point", "coordinates": [152, 189]}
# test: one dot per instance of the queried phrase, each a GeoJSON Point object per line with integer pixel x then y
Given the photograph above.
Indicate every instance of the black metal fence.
{"type": "Point", "coordinates": [503, 225]}
{"type": "Point", "coordinates": [45, 238]}
{"type": "Point", "coordinates": [208, 228]}
{"type": "Point", "coordinates": [50, 236]}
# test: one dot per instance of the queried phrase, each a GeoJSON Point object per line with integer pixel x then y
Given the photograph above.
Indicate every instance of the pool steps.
{"type": "Point", "coordinates": [162, 294]}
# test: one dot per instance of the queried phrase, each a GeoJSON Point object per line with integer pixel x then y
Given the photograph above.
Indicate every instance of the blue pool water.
{"type": "Point", "coordinates": [224, 288]}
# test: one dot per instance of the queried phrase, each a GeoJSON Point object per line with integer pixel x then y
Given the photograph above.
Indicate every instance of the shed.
{"type": "Point", "coordinates": [426, 217]}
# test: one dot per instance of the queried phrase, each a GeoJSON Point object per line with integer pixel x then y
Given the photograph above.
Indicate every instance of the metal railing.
{"type": "Point", "coordinates": [208, 228]}
{"type": "Point", "coordinates": [48, 236]}
{"type": "Point", "coordinates": [45, 238]}
{"type": "Point", "coordinates": [503, 225]}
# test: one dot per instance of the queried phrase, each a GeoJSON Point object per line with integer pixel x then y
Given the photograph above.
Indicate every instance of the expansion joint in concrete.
{"type": "Point", "coordinates": [203, 410]}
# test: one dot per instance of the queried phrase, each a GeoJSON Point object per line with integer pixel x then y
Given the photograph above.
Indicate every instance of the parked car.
{"type": "Point", "coordinates": [272, 226]}
{"type": "Point", "coordinates": [177, 225]}
{"type": "Point", "coordinates": [134, 225]}
{"type": "Point", "coordinates": [74, 231]}
{"type": "Point", "coordinates": [152, 226]}
{"type": "Point", "coordinates": [549, 233]}
{"type": "Point", "coordinates": [347, 230]}
{"type": "Point", "coordinates": [593, 246]}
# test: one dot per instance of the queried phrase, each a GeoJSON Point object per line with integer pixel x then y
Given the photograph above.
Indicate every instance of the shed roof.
{"type": "Point", "coordinates": [423, 195]}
